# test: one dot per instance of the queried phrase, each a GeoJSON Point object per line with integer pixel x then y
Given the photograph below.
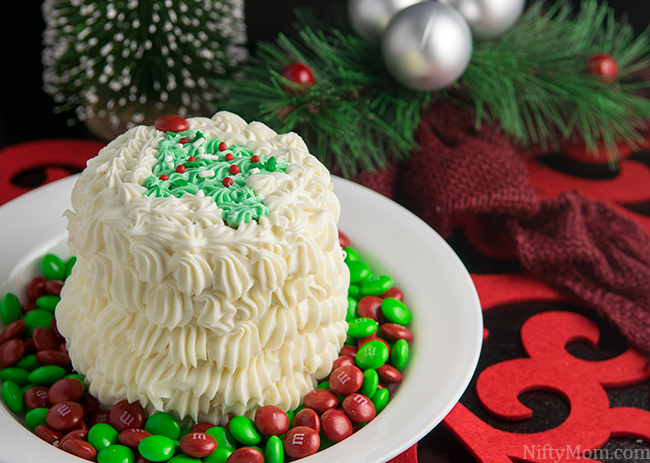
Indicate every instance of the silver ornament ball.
{"type": "Point", "coordinates": [371, 17]}
{"type": "Point", "coordinates": [488, 18]}
{"type": "Point", "coordinates": [427, 46]}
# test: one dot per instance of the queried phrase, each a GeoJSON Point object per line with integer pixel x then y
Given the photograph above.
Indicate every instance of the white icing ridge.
{"type": "Point", "coordinates": [169, 306]}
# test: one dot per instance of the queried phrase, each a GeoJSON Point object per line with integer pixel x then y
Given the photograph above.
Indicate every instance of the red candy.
{"type": "Point", "coordinates": [53, 287]}
{"type": "Point", "coordinates": [55, 330]}
{"type": "Point", "coordinates": [246, 455]}
{"type": "Point", "coordinates": [201, 427]}
{"type": "Point", "coordinates": [372, 337]}
{"type": "Point", "coordinates": [394, 332]}
{"type": "Point", "coordinates": [222, 146]}
{"type": "Point", "coordinates": [171, 123]}
{"type": "Point", "coordinates": [79, 448]}
{"type": "Point", "coordinates": [349, 350]}
{"type": "Point", "coordinates": [30, 347]}
{"type": "Point", "coordinates": [164, 177]}
{"type": "Point", "coordinates": [227, 182]}
{"type": "Point", "coordinates": [344, 241]}
{"type": "Point", "coordinates": [300, 442]}
{"type": "Point", "coordinates": [64, 415]}
{"type": "Point", "coordinates": [66, 390]}
{"type": "Point", "coordinates": [90, 404]}
{"type": "Point", "coordinates": [99, 417]}
{"type": "Point", "coordinates": [76, 434]}
{"type": "Point", "coordinates": [359, 408]}
{"type": "Point", "coordinates": [395, 293]}
{"type": "Point", "coordinates": [389, 374]}
{"type": "Point", "coordinates": [346, 380]}
{"type": "Point", "coordinates": [320, 400]}
{"type": "Point", "coordinates": [27, 306]}
{"type": "Point", "coordinates": [234, 169]}
{"type": "Point", "coordinates": [10, 352]}
{"type": "Point", "coordinates": [36, 397]}
{"type": "Point", "coordinates": [341, 361]}
{"type": "Point", "coordinates": [36, 288]}
{"type": "Point", "coordinates": [307, 417]}
{"type": "Point", "coordinates": [336, 425]}
{"type": "Point", "coordinates": [124, 415]}
{"type": "Point", "coordinates": [132, 437]}
{"type": "Point", "coordinates": [183, 141]}
{"type": "Point", "coordinates": [180, 169]}
{"type": "Point", "coordinates": [370, 307]}
{"type": "Point", "coordinates": [229, 157]}
{"type": "Point", "coordinates": [48, 434]}
{"type": "Point", "coordinates": [191, 159]}
{"type": "Point", "coordinates": [44, 339]}
{"type": "Point", "coordinates": [271, 420]}
{"type": "Point", "coordinates": [255, 158]}
{"type": "Point", "coordinates": [198, 444]}
{"type": "Point", "coordinates": [53, 357]}
{"type": "Point", "coordinates": [13, 330]}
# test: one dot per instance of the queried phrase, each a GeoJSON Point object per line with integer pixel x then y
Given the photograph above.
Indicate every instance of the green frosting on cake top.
{"type": "Point", "coordinates": [189, 162]}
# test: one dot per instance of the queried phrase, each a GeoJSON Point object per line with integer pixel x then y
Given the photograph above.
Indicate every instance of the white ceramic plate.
{"type": "Point", "coordinates": [446, 314]}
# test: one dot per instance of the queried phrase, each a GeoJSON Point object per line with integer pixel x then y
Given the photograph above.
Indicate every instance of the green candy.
{"type": "Point", "coordinates": [163, 424]}
{"type": "Point", "coordinates": [274, 450]}
{"type": "Point", "coordinates": [9, 308]}
{"type": "Point", "coordinates": [395, 311]}
{"type": "Point", "coordinates": [48, 302]}
{"type": "Point", "coordinates": [26, 388]}
{"type": "Point", "coordinates": [380, 399]}
{"type": "Point", "coordinates": [291, 414]}
{"type": "Point", "coordinates": [53, 267]}
{"type": "Point", "coordinates": [359, 271]}
{"type": "Point", "coordinates": [351, 254]}
{"type": "Point", "coordinates": [28, 362]}
{"type": "Point", "coordinates": [243, 429]}
{"type": "Point", "coordinates": [68, 267]}
{"type": "Point", "coordinates": [352, 309]}
{"type": "Point", "coordinates": [184, 459]}
{"type": "Point", "coordinates": [46, 375]}
{"type": "Point", "coordinates": [157, 448]}
{"type": "Point", "coordinates": [184, 432]}
{"type": "Point", "coordinates": [324, 385]}
{"type": "Point", "coordinates": [37, 318]}
{"type": "Point", "coordinates": [116, 454]}
{"type": "Point", "coordinates": [12, 396]}
{"type": "Point", "coordinates": [399, 354]}
{"type": "Point", "coordinates": [218, 456]}
{"type": "Point", "coordinates": [362, 327]}
{"type": "Point", "coordinates": [370, 383]}
{"type": "Point", "coordinates": [35, 417]}
{"type": "Point", "coordinates": [354, 292]}
{"type": "Point", "coordinates": [15, 374]}
{"type": "Point", "coordinates": [102, 435]}
{"type": "Point", "coordinates": [372, 354]}
{"type": "Point", "coordinates": [324, 442]}
{"type": "Point", "coordinates": [224, 438]}
{"type": "Point", "coordinates": [376, 285]}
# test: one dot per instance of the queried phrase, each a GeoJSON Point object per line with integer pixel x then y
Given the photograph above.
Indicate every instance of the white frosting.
{"type": "Point", "coordinates": [169, 306]}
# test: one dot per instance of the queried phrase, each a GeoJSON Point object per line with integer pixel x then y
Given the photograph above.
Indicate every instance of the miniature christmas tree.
{"type": "Point", "coordinates": [129, 62]}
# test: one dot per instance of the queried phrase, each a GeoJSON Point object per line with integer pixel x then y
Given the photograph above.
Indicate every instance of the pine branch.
{"type": "Point", "coordinates": [533, 81]}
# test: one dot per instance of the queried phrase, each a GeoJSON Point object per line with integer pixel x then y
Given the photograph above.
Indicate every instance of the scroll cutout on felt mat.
{"type": "Point", "coordinates": [591, 421]}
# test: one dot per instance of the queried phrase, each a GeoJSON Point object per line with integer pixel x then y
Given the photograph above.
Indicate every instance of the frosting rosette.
{"type": "Point", "coordinates": [200, 296]}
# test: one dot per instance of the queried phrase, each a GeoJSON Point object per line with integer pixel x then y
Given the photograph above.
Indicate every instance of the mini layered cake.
{"type": "Point", "coordinates": [209, 278]}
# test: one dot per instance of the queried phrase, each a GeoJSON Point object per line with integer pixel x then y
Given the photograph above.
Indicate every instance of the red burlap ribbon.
{"type": "Point", "coordinates": [570, 242]}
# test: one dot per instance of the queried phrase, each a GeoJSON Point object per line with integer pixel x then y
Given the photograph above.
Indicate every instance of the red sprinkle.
{"type": "Point", "coordinates": [164, 177]}
{"type": "Point", "coordinates": [255, 158]}
{"type": "Point", "coordinates": [191, 159]}
{"type": "Point", "coordinates": [234, 169]}
{"type": "Point", "coordinates": [227, 182]}
{"type": "Point", "coordinates": [229, 157]}
{"type": "Point", "coordinates": [180, 169]}
{"type": "Point", "coordinates": [222, 146]}
{"type": "Point", "coordinates": [183, 140]}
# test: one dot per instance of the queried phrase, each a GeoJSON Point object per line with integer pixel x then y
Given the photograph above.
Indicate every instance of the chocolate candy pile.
{"type": "Point", "coordinates": [38, 379]}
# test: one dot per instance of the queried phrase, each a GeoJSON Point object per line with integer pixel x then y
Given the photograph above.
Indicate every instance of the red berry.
{"type": "Point", "coordinates": [164, 177]}
{"type": "Point", "coordinates": [222, 146]}
{"type": "Point", "coordinates": [300, 74]}
{"type": "Point", "coordinates": [180, 169]}
{"type": "Point", "coordinates": [255, 158]}
{"type": "Point", "coordinates": [183, 141]}
{"type": "Point", "coordinates": [603, 65]}
{"type": "Point", "coordinates": [234, 169]}
{"type": "Point", "coordinates": [229, 157]}
{"type": "Point", "coordinates": [191, 159]}
{"type": "Point", "coordinates": [171, 123]}
{"type": "Point", "coordinates": [227, 182]}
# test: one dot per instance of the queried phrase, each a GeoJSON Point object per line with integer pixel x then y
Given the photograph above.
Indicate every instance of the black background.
{"type": "Point", "coordinates": [26, 112]}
